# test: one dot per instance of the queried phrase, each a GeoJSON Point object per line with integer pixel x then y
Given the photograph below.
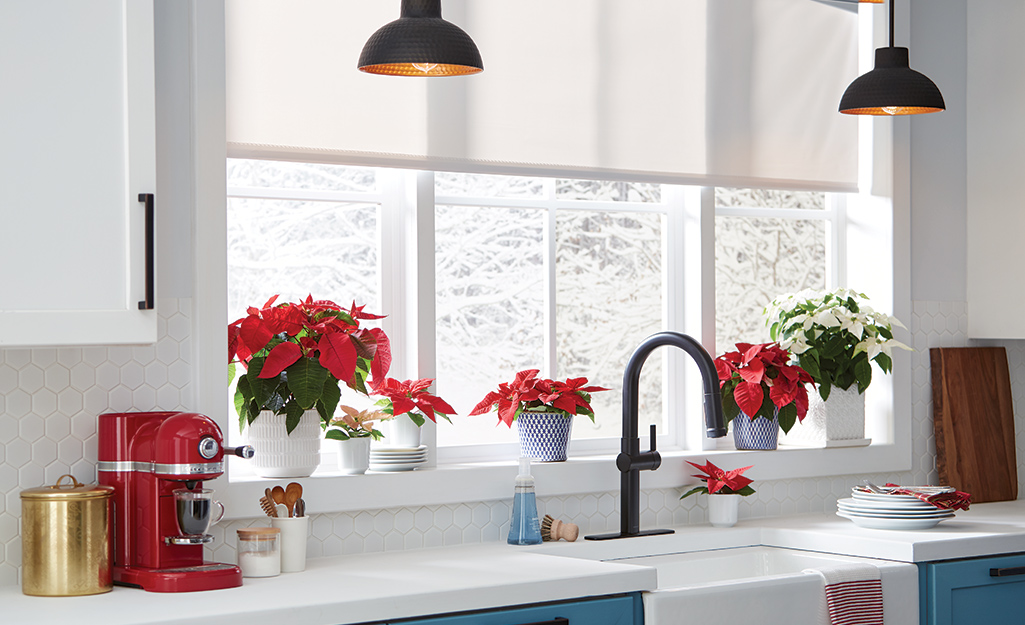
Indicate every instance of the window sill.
{"type": "Point", "coordinates": [487, 481]}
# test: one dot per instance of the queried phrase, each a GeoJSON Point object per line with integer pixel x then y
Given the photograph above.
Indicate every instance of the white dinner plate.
{"type": "Point", "coordinates": [897, 515]}
{"type": "Point", "coordinates": [905, 501]}
{"type": "Point", "coordinates": [411, 458]}
{"type": "Point", "coordinates": [890, 524]}
{"type": "Point", "coordinates": [379, 461]}
{"type": "Point", "coordinates": [400, 450]}
{"type": "Point", "coordinates": [399, 466]}
{"type": "Point", "coordinates": [917, 507]}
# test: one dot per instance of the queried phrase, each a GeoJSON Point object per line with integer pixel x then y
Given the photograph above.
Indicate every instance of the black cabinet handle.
{"type": "Point", "coordinates": [147, 304]}
{"type": "Point", "coordinates": [558, 620]}
{"type": "Point", "coordinates": [1008, 572]}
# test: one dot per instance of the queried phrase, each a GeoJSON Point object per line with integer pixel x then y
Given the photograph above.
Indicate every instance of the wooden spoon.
{"type": "Point", "coordinates": [293, 493]}
{"type": "Point", "coordinates": [278, 494]}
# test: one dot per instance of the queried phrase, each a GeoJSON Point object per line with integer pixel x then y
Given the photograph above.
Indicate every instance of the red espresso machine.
{"type": "Point", "coordinates": [146, 456]}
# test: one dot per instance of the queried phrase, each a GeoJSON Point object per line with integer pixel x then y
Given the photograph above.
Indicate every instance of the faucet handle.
{"type": "Point", "coordinates": [652, 437]}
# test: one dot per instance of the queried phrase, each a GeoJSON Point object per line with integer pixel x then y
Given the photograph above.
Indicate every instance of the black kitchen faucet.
{"type": "Point", "coordinates": [631, 460]}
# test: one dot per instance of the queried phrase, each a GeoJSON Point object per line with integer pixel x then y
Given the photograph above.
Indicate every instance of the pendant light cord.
{"type": "Point", "coordinates": [891, 23]}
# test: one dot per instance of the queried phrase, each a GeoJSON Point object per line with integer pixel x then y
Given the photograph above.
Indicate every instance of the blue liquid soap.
{"type": "Point", "coordinates": [524, 528]}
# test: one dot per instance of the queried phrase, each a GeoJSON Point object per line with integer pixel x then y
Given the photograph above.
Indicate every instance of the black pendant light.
{"type": "Point", "coordinates": [420, 43]}
{"type": "Point", "coordinates": [892, 88]}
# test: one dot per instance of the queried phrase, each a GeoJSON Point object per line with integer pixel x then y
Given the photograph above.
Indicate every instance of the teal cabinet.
{"type": "Point", "coordinates": [989, 591]}
{"type": "Point", "coordinates": [619, 610]}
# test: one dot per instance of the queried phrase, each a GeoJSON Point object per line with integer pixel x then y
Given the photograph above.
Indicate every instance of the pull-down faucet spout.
{"type": "Point", "coordinates": [631, 461]}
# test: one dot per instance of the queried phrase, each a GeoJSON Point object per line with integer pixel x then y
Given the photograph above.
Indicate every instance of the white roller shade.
{"type": "Point", "coordinates": [726, 92]}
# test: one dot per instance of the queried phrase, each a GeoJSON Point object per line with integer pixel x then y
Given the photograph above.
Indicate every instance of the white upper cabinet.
{"type": "Point", "coordinates": [996, 168]}
{"type": "Point", "coordinates": [77, 150]}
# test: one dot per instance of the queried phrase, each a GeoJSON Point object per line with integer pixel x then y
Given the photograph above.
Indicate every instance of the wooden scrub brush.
{"type": "Point", "coordinates": [267, 504]}
{"type": "Point", "coordinates": [554, 529]}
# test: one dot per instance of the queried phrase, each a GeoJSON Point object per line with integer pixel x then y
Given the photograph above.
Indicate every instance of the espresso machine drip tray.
{"type": "Point", "coordinates": [197, 539]}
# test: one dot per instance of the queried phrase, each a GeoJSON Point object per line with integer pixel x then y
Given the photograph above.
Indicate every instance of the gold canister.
{"type": "Point", "coordinates": [65, 539]}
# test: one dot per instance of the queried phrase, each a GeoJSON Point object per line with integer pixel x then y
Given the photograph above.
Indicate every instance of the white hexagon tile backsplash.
{"type": "Point", "coordinates": [49, 400]}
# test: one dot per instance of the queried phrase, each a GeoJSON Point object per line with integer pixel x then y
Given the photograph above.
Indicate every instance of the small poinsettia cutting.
{"type": "Point", "coordinates": [757, 380]}
{"type": "Point", "coordinates": [528, 392]}
{"type": "Point", "coordinates": [720, 481]}
{"type": "Point", "coordinates": [296, 355]}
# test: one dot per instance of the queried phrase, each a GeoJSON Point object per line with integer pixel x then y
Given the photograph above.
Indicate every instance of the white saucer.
{"type": "Point", "coordinates": [918, 507]}
{"type": "Point", "coordinates": [890, 514]}
{"type": "Point", "coordinates": [398, 466]}
{"type": "Point", "coordinates": [401, 457]}
{"type": "Point", "coordinates": [398, 450]}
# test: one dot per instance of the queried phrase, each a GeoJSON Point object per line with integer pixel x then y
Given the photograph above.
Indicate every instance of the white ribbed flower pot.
{"type": "Point", "coordinates": [839, 418]}
{"type": "Point", "coordinates": [723, 509]}
{"type": "Point", "coordinates": [279, 454]}
{"type": "Point", "coordinates": [353, 455]}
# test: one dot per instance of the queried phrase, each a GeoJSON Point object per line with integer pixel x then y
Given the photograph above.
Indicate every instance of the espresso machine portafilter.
{"type": "Point", "coordinates": [157, 463]}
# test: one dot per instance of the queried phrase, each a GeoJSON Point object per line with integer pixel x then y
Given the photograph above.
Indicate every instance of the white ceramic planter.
{"type": "Point", "coordinates": [353, 455]}
{"type": "Point", "coordinates": [840, 418]}
{"type": "Point", "coordinates": [723, 509]}
{"type": "Point", "coordinates": [279, 454]}
{"type": "Point", "coordinates": [399, 432]}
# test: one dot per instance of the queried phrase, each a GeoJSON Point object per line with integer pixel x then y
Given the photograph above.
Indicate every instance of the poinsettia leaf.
{"type": "Point", "coordinates": [747, 490]}
{"type": "Point", "coordinates": [338, 355]}
{"type": "Point", "coordinates": [279, 358]}
{"type": "Point", "coordinates": [242, 398]}
{"type": "Point", "coordinates": [754, 372]}
{"type": "Point", "coordinates": [787, 417]}
{"type": "Point", "coordinates": [336, 435]}
{"type": "Point", "coordinates": [416, 418]}
{"type": "Point", "coordinates": [485, 404]}
{"type": "Point", "coordinates": [306, 382]}
{"type": "Point", "coordinates": [261, 388]}
{"type": "Point", "coordinates": [254, 333]}
{"type": "Point", "coordinates": [729, 407]}
{"type": "Point", "coordinates": [767, 409]}
{"type": "Point", "coordinates": [329, 399]}
{"type": "Point", "coordinates": [695, 490]}
{"type": "Point", "coordinates": [293, 414]}
{"type": "Point", "coordinates": [884, 362]}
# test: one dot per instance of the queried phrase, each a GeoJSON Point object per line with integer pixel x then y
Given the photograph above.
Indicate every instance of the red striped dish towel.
{"type": "Point", "coordinates": [854, 594]}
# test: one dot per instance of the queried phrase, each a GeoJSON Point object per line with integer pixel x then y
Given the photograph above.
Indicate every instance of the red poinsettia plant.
{"type": "Point", "coordinates": [720, 481]}
{"type": "Point", "coordinates": [758, 380]}
{"type": "Point", "coordinates": [295, 356]}
{"type": "Point", "coordinates": [528, 392]}
{"type": "Point", "coordinates": [412, 398]}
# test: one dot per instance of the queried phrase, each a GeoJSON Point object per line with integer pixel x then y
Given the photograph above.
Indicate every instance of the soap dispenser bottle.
{"type": "Point", "coordinates": [524, 529]}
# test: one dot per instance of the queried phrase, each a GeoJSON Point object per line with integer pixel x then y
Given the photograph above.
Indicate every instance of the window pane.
{"type": "Point", "coordinates": [755, 260]}
{"type": "Point", "coordinates": [486, 185]}
{"type": "Point", "coordinates": [608, 191]}
{"type": "Point", "coordinates": [288, 175]}
{"type": "Point", "coordinates": [769, 198]}
{"type": "Point", "coordinates": [608, 299]}
{"type": "Point", "coordinates": [490, 310]}
{"type": "Point", "coordinates": [297, 249]}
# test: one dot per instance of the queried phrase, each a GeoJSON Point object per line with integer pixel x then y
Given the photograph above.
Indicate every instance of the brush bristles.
{"type": "Point", "coordinates": [546, 528]}
{"type": "Point", "coordinates": [268, 507]}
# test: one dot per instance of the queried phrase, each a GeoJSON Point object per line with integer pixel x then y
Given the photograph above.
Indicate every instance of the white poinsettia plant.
{"type": "Point", "coordinates": [834, 335]}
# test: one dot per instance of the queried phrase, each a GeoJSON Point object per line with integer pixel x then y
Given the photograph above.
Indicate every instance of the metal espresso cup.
{"type": "Point", "coordinates": [193, 508]}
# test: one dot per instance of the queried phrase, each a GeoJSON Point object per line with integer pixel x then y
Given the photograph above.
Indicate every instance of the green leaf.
{"type": "Point", "coordinates": [767, 409]}
{"type": "Point", "coordinates": [376, 434]}
{"type": "Point", "coordinates": [694, 491]}
{"type": "Point", "coordinates": [262, 389]}
{"type": "Point", "coordinates": [810, 363]}
{"type": "Point", "coordinates": [336, 435]}
{"type": "Point", "coordinates": [884, 362]}
{"type": "Point", "coordinates": [306, 379]}
{"type": "Point", "coordinates": [329, 398]}
{"type": "Point", "coordinates": [254, 411]}
{"type": "Point", "coordinates": [416, 418]}
{"type": "Point", "coordinates": [293, 413]}
{"type": "Point", "coordinates": [863, 372]}
{"type": "Point", "coordinates": [729, 407]}
{"type": "Point", "coordinates": [242, 398]}
{"type": "Point", "coordinates": [787, 417]}
{"type": "Point", "coordinates": [747, 490]}
{"type": "Point", "coordinates": [231, 372]}
{"type": "Point", "coordinates": [824, 387]}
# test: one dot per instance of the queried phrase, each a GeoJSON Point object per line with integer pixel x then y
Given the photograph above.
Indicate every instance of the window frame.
{"type": "Point", "coordinates": [877, 254]}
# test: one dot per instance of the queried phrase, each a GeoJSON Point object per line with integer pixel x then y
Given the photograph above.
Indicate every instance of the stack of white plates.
{"type": "Point", "coordinates": [890, 512]}
{"type": "Point", "coordinates": [397, 458]}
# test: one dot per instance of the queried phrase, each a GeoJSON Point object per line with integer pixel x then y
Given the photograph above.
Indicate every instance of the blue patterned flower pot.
{"type": "Point", "coordinates": [758, 434]}
{"type": "Point", "coordinates": [543, 435]}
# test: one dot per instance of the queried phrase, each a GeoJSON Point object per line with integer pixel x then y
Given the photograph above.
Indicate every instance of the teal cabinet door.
{"type": "Point", "coordinates": [984, 591]}
{"type": "Point", "coordinates": [622, 610]}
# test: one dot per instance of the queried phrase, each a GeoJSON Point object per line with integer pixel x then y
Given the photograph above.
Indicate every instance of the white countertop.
{"type": "Point", "coordinates": [401, 584]}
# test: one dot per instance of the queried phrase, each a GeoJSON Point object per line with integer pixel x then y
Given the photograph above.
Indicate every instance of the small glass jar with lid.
{"type": "Point", "coordinates": [259, 551]}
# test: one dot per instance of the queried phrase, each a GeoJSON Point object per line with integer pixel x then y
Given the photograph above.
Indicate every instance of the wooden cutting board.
{"type": "Point", "coordinates": [973, 418]}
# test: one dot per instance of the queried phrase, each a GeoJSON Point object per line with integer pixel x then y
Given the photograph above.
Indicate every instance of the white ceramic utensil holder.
{"type": "Point", "coordinates": [294, 532]}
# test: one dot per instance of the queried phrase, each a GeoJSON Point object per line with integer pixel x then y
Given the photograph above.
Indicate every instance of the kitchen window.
{"type": "Point", "coordinates": [564, 275]}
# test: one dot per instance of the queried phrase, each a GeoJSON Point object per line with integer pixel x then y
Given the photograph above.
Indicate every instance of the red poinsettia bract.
{"type": "Point", "coordinates": [571, 397]}
{"type": "Point", "coordinates": [410, 396]}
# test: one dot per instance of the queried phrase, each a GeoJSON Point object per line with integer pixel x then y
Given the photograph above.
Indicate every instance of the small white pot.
{"type": "Point", "coordinates": [353, 455]}
{"type": "Point", "coordinates": [280, 454]}
{"type": "Point", "coordinates": [400, 432]}
{"type": "Point", "coordinates": [723, 509]}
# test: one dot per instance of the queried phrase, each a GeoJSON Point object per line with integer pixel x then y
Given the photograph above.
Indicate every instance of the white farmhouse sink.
{"type": "Point", "coordinates": [761, 585]}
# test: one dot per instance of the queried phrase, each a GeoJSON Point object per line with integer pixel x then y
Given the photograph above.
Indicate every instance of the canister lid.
{"type": "Point", "coordinates": [64, 490]}
{"type": "Point", "coordinates": [258, 533]}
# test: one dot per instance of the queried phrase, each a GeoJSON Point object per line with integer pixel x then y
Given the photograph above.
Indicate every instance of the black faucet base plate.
{"type": "Point", "coordinates": [621, 535]}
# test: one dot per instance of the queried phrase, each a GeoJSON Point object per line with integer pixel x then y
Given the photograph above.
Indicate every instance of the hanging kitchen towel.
{"type": "Point", "coordinates": [854, 594]}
